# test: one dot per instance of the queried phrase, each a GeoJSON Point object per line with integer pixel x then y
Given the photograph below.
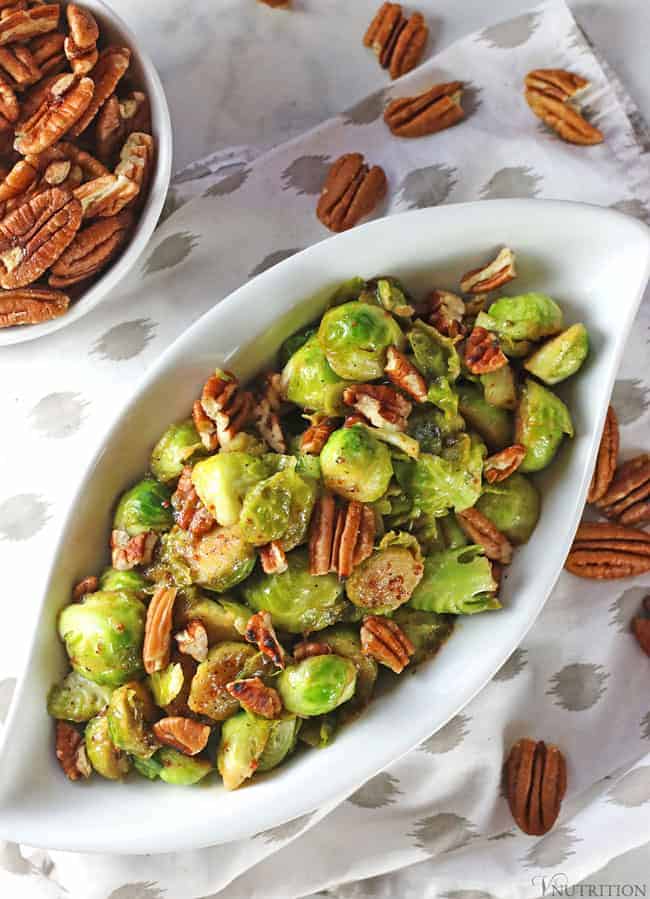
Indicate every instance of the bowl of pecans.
{"type": "Point", "coordinates": [85, 161]}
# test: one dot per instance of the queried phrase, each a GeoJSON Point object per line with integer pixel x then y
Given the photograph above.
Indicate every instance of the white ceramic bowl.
{"type": "Point", "coordinates": [143, 76]}
{"type": "Point", "coordinates": [594, 261]}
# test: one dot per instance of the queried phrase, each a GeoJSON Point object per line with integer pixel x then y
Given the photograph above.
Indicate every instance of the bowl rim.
{"type": "Point", "coordinates": [153, 205]}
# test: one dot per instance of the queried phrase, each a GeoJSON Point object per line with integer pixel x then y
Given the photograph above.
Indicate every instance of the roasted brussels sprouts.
{"type": "Point", "coordinates": [317, 685]}
{"type": "Point", "coordinates": [427, 631]}
{"type": "Point", "coordinates": [319, 732]}
{"type": "Point", "coordinates": [458, 581]}
{"type": "Point", "coordinates": [281, 742]}
{"type": "Point", "coordinates": [512, 506]}
{"type": "Point", "coordinates": [129, 581]}
{"type": "Point", "coordinates": [298, 601]}
{"type": "Point", "coordinates": [389, 293]}
{"type": "Point", "coordinates": [279, 508]}
{"type": "Point", "coordinates": [344, 641]}
{"type": "Point", "coordinates": [103, 754]}
{"type": "Point", "coordinates": [224, 619]}
{"type": "Point", "coordinates": [149, 768]}
{"type": "Point", "coordinates": [103, 636]}
{"type": "Point", "coordinates": [179, 769]}
{"type": "Point", "coordinates": [451, 532]}
{"type": "Point", "coordinates": [208, 694]}
{"type": "Point", "coordinates": [499, 388]}
{"type": "Point", "coordinates": [165, 685]}
{"type": "Point", "coordinates": [293, 343]}
{"type": "Point", "coordinates": [386, 580]}
{"type": "Point", "coordinates": [222, 482]}
{"type": "Point", "coordinates": [243, 740]}
{"type": "Point", "coordinates": [529, 316]}
{"type": "Point", "coordinates": [491, 422]}
{"type": "Point", "coordinates": [542, 421]}
{"type": "Point", "coordinates": [435, 355]}
{"type": "Point", "coordinates": [178, 705]}
{"type": "Point", "coordinates": [356, 465]}
{"type": "Point", "coordinates": [561, 356]}
{"type": "Point", "coordinates": [176, 448]}
{"type": "Point", "coordinates": [215, 561]}
{"type": "Point", "coordinates": [130, 713]}
{"type": "Point", "coordinates": [145, 507]}
{"type": "Point", "coordinates": [308, 380]}
{"type": "Point", "coordinates": [77, 699]}
{"type": "Point", "coordinates": [355, 337]}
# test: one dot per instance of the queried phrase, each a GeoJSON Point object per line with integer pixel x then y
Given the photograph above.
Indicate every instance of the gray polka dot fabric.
{"type": "Point", "coordinates": [435, 823]}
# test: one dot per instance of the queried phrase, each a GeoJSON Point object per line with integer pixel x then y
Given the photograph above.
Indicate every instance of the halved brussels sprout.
{"type": "Point", "coordinates": [208, 694]}
{"type": "Point", "coordinates": [223, 480]}
{"type": "Point", "coordinates": [561, 356]}
{"type": "Point", "coordinates": [317, 685]}
{"type": "Point", "coordinates": [130, 713]}
{"type": "Point", "coordinates": [529, 316]}
{"type": "Point", "coordinates": [178, 705]}
{"type": "Point", "coordinates": [308, 380]}
{"type": "Point", "coordinates": [492, 423]}
{"type": "Point", "coordinates": [165, 685]}
{"type": "Point", "coordinates": [145, 507]}
{"type": "Point", "coordinates": [435, 355]}
{"type": "Point", "coordinates": [103, 754]}
{"type": "Point", "coordinates": [425, 426]}
{"type": "Point", "coordinates": [279, 508]}
{"type": "Point", "coordinates": [451, 532]}
{"type": "Point", "coordinates": [223, 619]}
{"type": "Point", "coordinates": [346, 642]}
{"type": "Point", "coordinates": [243, 740]}
{"type": "Point", "coordinates": [179, 769]}
{"type": "Point", "coordinates": [308, 466]}
{"type": "Point", "coordinates": [385, 580]}
{"type": "Point", "coordinates": [281, 742]}
{"type": "Point", "coordinates": [215, 561]}
{"type": "Point", "coordinates": [293, 343]}
{"type": "Point", "coordinates": [149, 768]}
{"type": "Point", "coordinates": [103, 636]}
{"type": "Point", "coordinates": [176, 448]}
{"type": "Point", "coordinates": [390, 294]}
{"type": "Point", "coordinates": [542, 421]}
{"type": "Point", "coordinates": [77, 699]}
{"type": "Point", "coordinates": [319, 732]}
{"type": "Point", "coordinates": [297, 600]}
{"type": "Point", "coordinates": [458, 581]}
{"type": "Point", "coordinates": [355, 337]}
{"type": "Point", "coordinates": [427, 631]}
{"type": "Point", "coordinates": [356, 465]}
{"type": "Point", "coordinates": [513, 506]}
{"type": "Point", "coordinates": [130, 581]}
{"type": "Point", "coordinates": [499, 388]}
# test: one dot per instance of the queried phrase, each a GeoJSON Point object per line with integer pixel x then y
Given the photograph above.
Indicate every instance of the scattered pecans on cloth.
{"type": "Point", "coordinates": [397, 41]}
{"type": "Point", "coordinates": [550, 94]}
{"type": "Point", "coordinates": [75, 157]}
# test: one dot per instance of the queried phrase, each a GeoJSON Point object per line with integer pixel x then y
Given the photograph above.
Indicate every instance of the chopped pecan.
{"type": "Point", "coordinates": [8, 101]}
{"type": "Point", "coordinates": [446, 313]}
{"type": "Point", "coordinates": [71, 751]}
{"type": "Point", "coordinates": [20, 66]}
{"type": "Point", "coordinates": [606, 551]}
{"type": "Point", "coordinates": [190, 513]}
{"type": "Point", "coordinates": [260, 631]}
{"type": "Point", "coordinates": [206, 428]}
{"type": "Point", "coordinates": [27, 23]}
{"type": "Point", "coordinates": [185, 734]}
{"type": "Point", "coordinates": [19, 179]}
{"type": "Point", "coordinates": [351, 191]}
{"type": "Point", "coordinates": [535, 784]}
{"type": "Point", "coordinates": [111, 66]}
{"type": "Point", "coordinates": [481, 530]}
{"type": "Point", "coordinates": [385, 641]}
{"type": "Point", "coordinates": [193, 641]}
{"type": "Point", "coordinates": [308, 648]}
{"type": "Point", "coordinates": [273, 558]}
{"type": "Point", "coordinates": [268, 424]}
{"type": "Point", "coordinates": [30, 306]}
{"type": "Point", "coordinates": [606, 458]}
{"type": "Point", "coordinates": [483, 352]}
{"type": "Point", "coordinates": [340, 538]}
{"type": "Point", "coordinates": [136, 159]}
{"type": "Point", "coordinates": [383, 406]}
{"type": "Point", "coordinates": [494, 274]}
{"type": "Point", "coordinates": [226, 405]}
{"type": "Point", "coordinates": [627, 499]}
{"type": "Point", "coordinates": [401, 371]}
{"type": "Point", "coordinates": [105, 196]}
{"type": "Point", "coordinates": [91, 250]}
{"type": "Point", "coordinates": [253, 694]}
{"type": "Point", "coordinates": [47, 53]}
{"type": "Point", "coordinates": [434, 110]}
{"type": "Point", "coordinates": [548, 92]}
{"type": "Point", "coordinates": [641, 630]}
{"type": "Point", "coordinates": [65, 101]}
{"type": "Point", "coordinates": [158, 630]}
{"type": "Point", "coordinates": [88, 585]}
{"type": "Point", "coordinates": [57, 172]}
{"type": "Point", "coordinates": [317, 435]}
{"type": "Point", "coordinates": [127, 552]}
{"type": "Point", "coordinates": [501, 465]}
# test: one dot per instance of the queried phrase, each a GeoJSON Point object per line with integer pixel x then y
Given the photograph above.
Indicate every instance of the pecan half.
{"type": "Point", "coordinates": [606, 551]}
{"type": "Point", "coordinates": [48, 54]}
{"type": "Point", "coordinates": [71, 751]}
{"type": "Point", "coordinates": [190, 513]}
{"type": "Point", "coordinates": [548, 92]}
{"type": "Point", "coordinates": [386, 19]}
{"type": "Point", "coordinates": [128, 552]}
{"type": "Point", "coordinates": [158, 630]}
{"type": "Point", "coordinates": [87, 585]}
{"type": "Point", "coordinates": [556, 83]}
{"type": "Point", "coordinates": [185, 734]}
{"type": "Point", "coordinates": [641, 630]}
{"type": "Point", "coordinates": [20, 65]}
{"type": "Point", "coordinates": [260, 631]}
{"type": "Point", "coordinates": [30, 306]}
{"type": "Point", "coordinates": [226, 405]}
{"type": "Point", "coordinates": [340, 538]}
{"type": "Point", "coordinates": [351, 191]}
{"type": "Point", "coordinates": [273, 558]}
{"type": "Point", "coordinates": [111, 66]}
{"type": "Point", "coordinates": [136, 159]}
{"type": "Point", "coordinates": [193, 641]}
{"type": "Point", "coordinates": [105, 196]}
{"type": "Point", "coordinates": [84, 30]}
{"type": "Point", "coordinates": [206, 428]}
{"type": "Point", "coordinates": [65, 101]}
{"type": "Point", "coordinates": [383, 406]}
{"type": "Point", "coordinates": [481, 530]}
{"type": "Point", "coordinates": [535, 784]}
{"type": "Point", "coordinates": [253, 694]}
{"type": "Point", "coordinates": [385, 641]}
{"type": "Point", "coordinates": [446, 313]}
{"type": "Point", "coordinates": [606, 459]}
{"type": "Point", "coordinates": [483, 352]}
{"type": "Point", "coordinates": [91, 250]}
{"type": "Point", "coordinates": [8, 101]}
{"type": "Point", "coordinates": [501, 465]}
{"type": "Point", "coordinates": [434, 110]}
{"type": "Point", "coordinates": [489, 277]}
{"type": "Point", "coordinates": [25, 24]}
{"type": "Point", "coordinates": [627, 499]}
{"type": "Point", "coordinates": [81, 61]}
{"type": "Point", "coordinates": [308, 648]}
{"type": "Point", "coordinates": [401, 371]}
{"type": "Point", "coordinates": [117, 119]}
{"type": "Point", "coordinates": [397, 42]}
{"type": "Point", "coordinates": [19, 179]}
{"type": "Point", "coordinates": [268, 424]}
{"type": "Point", "coordinates": [317, 435]}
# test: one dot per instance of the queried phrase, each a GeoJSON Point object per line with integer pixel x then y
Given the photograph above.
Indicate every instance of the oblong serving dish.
{"type": "Point", "coordinates": [594, 261]}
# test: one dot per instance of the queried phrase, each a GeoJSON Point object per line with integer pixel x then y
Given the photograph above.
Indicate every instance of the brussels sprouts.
{"type": "Point", "coordinates": [355, 337]}
{"type": "Point", "coordinates": [458, 581]}
{"type": "Point", "coordinates": [216, 561]}
{"type": "Point", "coordinates": [179, 769]}
{"type": "Point", "coordinates": [243, 740]}
{"type": "Point", "coordinates": [492, 423]}
{"type": "Point", "coordinates": [298, 601]}
{"type": "Point", "coordinates": [308, 466]}
{"type": "Point", "coordinates": [222, 482]}
{"type": "Point", "coordinates": [424, 425]}
{"type": "Point", "coordinates": [347, 291]}
{"type": "Point", "coordinates": [356, 465]}
{"type": "Point", "coordinates": [292, 344]}
{"type": "Point", "coordinates": [435, 355]}
{"type": "Point", "coordinates": [499, 388]}
{"type": "Point", "coordinates": [178, 705]}
{"type": "Point", "coordinates": [165, 685]}
{"type": "Point", "coordinates": [130, 712]}
{"type": "Point", "coordinates": [388, 293]}
{"type": "Point", "coordinates": [541, 422]}
{"type": "Point", "coordinates": [279, 507]}
{"type": "Point", "coordinates": [384, 581]}
{"type": "Point", "coordinates": [103, 636]}
{"type": "Point", "coordinates": [512, 506]}
{"type": "Point", "coordinates": [129, 581]}
{"type": "Point", "coordinates": [345, 642]}
{"type": "Point", "coordinates": [308, 380]}
{"type": "Point", "coordinates": [427, 631]}
{"type": "Point", "coordinates": [398, 439]}
{"type": "Point", "coordinates": [451, 532]}
{"type": "Point", "coordinates": [149, 768]}
{"type": "Point", "coordinates": [176, 448]}
{"type": "Point", "coordinates": [222, 619]}
{"type": "Point", "coordinates": [77, 699]}
{"type": "Point", "coordinates": [317, 685]}
{"type": "Point", "coordinates": [529, 316]}
{"type": "Point", "coordinates": [208, 694]}
{"type": "Point", "coordinates": [103, 754]}
{"type": "Point", "coordinates": [145, 507]}
{"type": "Point", "coordinates": [319, 732]}
{"type": "Point", "coordinates": [281, 742]}
{"type": "Point", "coordinates": [560, 357]}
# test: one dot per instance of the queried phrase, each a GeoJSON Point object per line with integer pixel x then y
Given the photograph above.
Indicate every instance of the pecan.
{"type": "Point", "coordinates": [30, 306]}
{"type": "Point", "coordinates": [308, 648]}
{"type": "Point", "coordinates": [193, 641]}
{"type": "Point", "coordinates": [351, 191]}
{"type": "Point", "coordinates": [135, 112]}
{"type": "Point", "coordinates": [535, 784]}
{"type": "Point", "coordinates": [383, 406]}
{"type": "Point", "coordinates": [127, 552]}
{"type": "Point", "coordinates": [84, 30]}
{"type": "Point", "coordinates": [106, 195]}
{"type": "Point", "coordinates": [253, 694]}
{"type": "Point", "coordinates": [273, 558]}
{"type": "Point", "coordinates": [8, 101]}
{"type": "Point", "coordinates": [401, 371]}
{"type": "Point", "coordinates": [206, 428]}
{"type": "Point", "coordinates": [25, 24]}
{"type": "Point", "coordinates": [19, 179]}
{"type": "Point", "coordinates": [260, 631]}
{"type": "Point", "coordinates": [606, 458]}
{"type": "Point", "coordinates": [136, 159]}
{"type": "Point", "coordinates": [385, 641]}
{"type": "Point", "coordinates": [429, 112]}
{"type": "Point", "coordinates": [446, 313]}
{"type": "Point", "coordinates": [481, 530]}
{"type": "Point", "coordinates": [317, 435]}
{"type": "Point", "coordinates": [34, 235]}
{"type": "Point", "coordinates": [65, 101]}
{"type": "Point", "coordinates": [81, 61]}
{"type": "Point", "coordinates": [185, 734]}
{"type": "Point", "coordinates": [111, 66]}
{"type": "Point", "coordinates": [158, 630]}
{"type": "Point", "coordinates": [226, 405]}
{"type": "Point", "coordinates": [501, 465]}
{"type": "Point", "coordinates": [57, 172]}
{"type": "Point", "coordinates": [20, 66]}
{"type": "Point", "coordinates": [88, 585]}
{"type": "Point", "coordinates": [641, 630]}
{"type": "Point", "coordinates": [47, 53]}
{"type": "Point", "coordinates": [556, 83]}
{"type": "Point", "coordinates": [548, 92]}
{"type": "Point", "coordinates": [627, 499]}
{"type": "Point", "coordinates": [277, 4]}
{"type": "Point", "coordinates": [268, 424]}
{"type": "Point", "coordinates": [483, 352]}
{"type": "Point", "coordinates": [340, 538]}
{"type": "Point", "coordinates": [355, 419]}
{"type": "Point", "coordinates": [398, 42]}
{"type": "Point", "coordinates": [190, 513]}
{"type": "Point", "coordinates": [34, 98]}
{"type": "Point", "coordinates": [71, 751]}
{"type": "Point", "coordinates": [605, 551]}
{"type": "Point", "coordinates": [91, 250]}
{"type": "Point", "coordinates": [386, 19]}
{"type": "Point", "coordinates": [117, 119]}
{"type": "Point", "coordinates": [489, 277]}
{"type": "Point", "coordinates": [9, 7]}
